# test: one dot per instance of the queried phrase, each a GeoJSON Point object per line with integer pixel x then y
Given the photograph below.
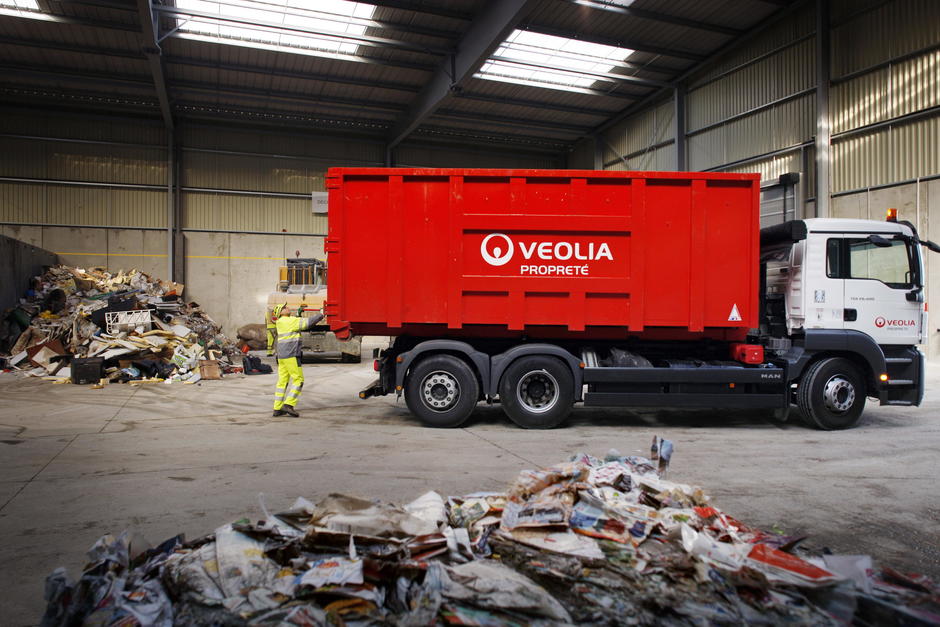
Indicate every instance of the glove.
{"type": "Point", "coordinates": [300, 311]}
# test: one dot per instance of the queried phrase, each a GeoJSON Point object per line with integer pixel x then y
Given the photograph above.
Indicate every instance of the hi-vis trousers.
{"type": "Point", "coordinates": [272, 337]}
{"type": "Point", "coordinates": [290, 380]}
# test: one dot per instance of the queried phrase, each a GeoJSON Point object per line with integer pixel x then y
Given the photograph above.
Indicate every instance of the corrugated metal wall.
{"type": "Point", "coordinates": [110, 172]}
{"type": "Point", "coordinates": [642, 142]}
{"type": "Point", "coordinates": [581, 156]}
{"type": "Point", "coordinates": [892, 84]}
{"type": "Point", "coordinates": [754, 110]}
{"type": "Point", "coordinates": [99, 171]}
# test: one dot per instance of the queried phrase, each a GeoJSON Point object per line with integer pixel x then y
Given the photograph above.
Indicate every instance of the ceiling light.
{"type": "Point", "coordinates": [277, 24]}
{"type": "Point", "coordinates": [570, 62]}
{"type": "Point", "coordinates": [25, 8]}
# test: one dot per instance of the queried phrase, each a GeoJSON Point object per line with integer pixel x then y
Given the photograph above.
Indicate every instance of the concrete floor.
{"type": "Point", "coordinates": [160, 460]}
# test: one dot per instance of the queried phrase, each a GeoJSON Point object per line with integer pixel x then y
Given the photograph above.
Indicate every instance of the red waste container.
{"type": "Point", "coordinates": [542, 253]}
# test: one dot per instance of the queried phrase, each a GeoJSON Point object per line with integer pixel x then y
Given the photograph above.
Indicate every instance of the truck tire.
{"type": "Point", "coordinates": [442, 391]}
{"type": "Point", "coordinates": [831, 394]}
{"type": "Point", "coordinates": [537, 392]}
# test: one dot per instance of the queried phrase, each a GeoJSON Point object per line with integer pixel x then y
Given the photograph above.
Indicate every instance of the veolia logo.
{"type": "Point", "coordinates": [881, 322]}
{"type": "Point", "coordinates": [498, 257]}
{"type": "Point", "coordinates": [549, 251]}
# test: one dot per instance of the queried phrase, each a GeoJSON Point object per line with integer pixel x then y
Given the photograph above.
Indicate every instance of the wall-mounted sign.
{"type": "Point", "coordinates": [319, 203]}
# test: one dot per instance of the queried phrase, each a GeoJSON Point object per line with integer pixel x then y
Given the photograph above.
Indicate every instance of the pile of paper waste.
{"type": "Point", "coordinates": [100, 327]}
{"type": "Point", "coordinates": [590, 541]}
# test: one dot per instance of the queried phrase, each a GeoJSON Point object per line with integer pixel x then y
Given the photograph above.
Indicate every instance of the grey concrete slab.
{"type": "Point", "coordinates": [165, 459]}
{"type": "Point", "coordinates": [81, 247]}
{"type": "Point", "coordinates": [29, 234]}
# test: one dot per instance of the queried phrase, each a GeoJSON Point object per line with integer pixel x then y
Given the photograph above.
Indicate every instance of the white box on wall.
{"type": "Point", "coordinates": [319, 201]}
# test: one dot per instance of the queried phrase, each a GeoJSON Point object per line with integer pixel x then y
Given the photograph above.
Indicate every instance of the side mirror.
{"type": "Point", "coordinates": [879, 241]}
{"type": "Point", "coordinates": [931, 246]}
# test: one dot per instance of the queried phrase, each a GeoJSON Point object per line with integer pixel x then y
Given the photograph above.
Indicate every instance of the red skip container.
{"type": "Point", "coordinates": [542, 253]}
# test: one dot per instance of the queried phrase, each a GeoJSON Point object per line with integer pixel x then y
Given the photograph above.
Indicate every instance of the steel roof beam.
{"type": "Point", "coordinates": [69, 74]}
{"type": "Point", "coordinates": [618, 43]}
{"type": "Point", "coordinates": [420, 67]}
{"type": "Point", "coordinates": [487, 31]}
{"type": "Point", "coordinates": [233, 67]}
{"type": "Point", "coordinates": [655, 16]}
{"type": "Point", "coordinates": [150, 35]}
{"type": "Point", "coordinates": [505, 119]}
{"type": "Point", "coordinates": [53, 45]}
{"type": "Point", "coordinates": [269, 94]}
{"type": "Point", "coordinates": [244, 92]}
{"type": "Point", "coordinates": [309, 76]}
{"type": "Point", "coordinates": [538, 104]}
{"type": "Point", "coordinates": [431, 130]}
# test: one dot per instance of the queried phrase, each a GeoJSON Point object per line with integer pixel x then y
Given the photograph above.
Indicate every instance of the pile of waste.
{"type": "Point", "coordinates": [590, 541]}
{"type": "Point", "coordinates": [92, 326]}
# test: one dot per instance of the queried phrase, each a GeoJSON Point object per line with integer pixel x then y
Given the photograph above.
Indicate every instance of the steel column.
{"type": "Point", "coordinates": [486, 33]}
{"type": "Point", "coordinates": [149, 37]}
{"type": "Point", "coordinates": [823, 128]}
{"type": "Point", "coordinates": [170, 209]}
{"type": "Point", "coordinates": [678, 98]}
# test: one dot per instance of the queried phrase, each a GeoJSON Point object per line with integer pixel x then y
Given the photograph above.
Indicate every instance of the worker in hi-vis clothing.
{"type": "Point", "coordinates": [271, 328]}
{"type": "Point", "coordinates": [290, 376]}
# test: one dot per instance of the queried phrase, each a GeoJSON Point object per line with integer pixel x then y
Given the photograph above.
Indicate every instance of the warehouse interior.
{"type": "Point", "coordinates": [190, 140]}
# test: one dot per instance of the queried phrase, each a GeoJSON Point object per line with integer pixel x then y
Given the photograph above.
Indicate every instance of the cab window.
{"type": "Point", "coordinates": [851, 258]}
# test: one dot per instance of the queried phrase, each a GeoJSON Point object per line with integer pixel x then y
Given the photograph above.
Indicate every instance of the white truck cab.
{"type": "Point", "coordinates": [844, 306]}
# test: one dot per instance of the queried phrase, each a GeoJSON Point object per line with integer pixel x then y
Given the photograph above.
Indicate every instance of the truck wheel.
{"type": "Point", "coordinates": [831, 394]}
{"type": "Point", "coordinates": [537, 392]}
{"type": "Point", "coordinates": [442, 391]}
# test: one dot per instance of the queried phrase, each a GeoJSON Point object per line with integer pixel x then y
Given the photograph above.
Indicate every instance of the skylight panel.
{"type": "Point", "coordinates": [24, 8]}
{"type": "Point", "coordinates": [269, 24]}
{"type": "Point", "coordinates": [566, 63]}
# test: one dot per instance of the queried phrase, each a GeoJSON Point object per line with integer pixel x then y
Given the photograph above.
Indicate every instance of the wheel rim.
{"type": "Point", "coordinates": [537, 391]}
{"type": "Point", "coordinates": [440, 391]}
{"type": "Point", "coordinates": [839, 394]}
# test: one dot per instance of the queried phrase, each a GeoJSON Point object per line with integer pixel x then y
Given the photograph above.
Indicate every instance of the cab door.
{"type": "Point", "coordinates": [882, 288]}
{"type": "Point", "coordinates": [824, 285]}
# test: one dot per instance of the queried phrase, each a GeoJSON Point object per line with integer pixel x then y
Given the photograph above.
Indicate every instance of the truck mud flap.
{"type": "Point", "coordinates": [687, 387]}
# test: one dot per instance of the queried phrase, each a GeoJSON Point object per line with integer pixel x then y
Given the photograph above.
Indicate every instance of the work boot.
{"type": "Point", "coordinates": [279, 412]}
{"type": "Point", "coordinates": [290, 411]}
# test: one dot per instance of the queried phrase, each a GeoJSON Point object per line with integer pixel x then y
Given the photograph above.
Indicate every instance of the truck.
{"type": "Point", "coordinates": [302, 286]}
{"type": "Point", "coordinates": [540, 289]}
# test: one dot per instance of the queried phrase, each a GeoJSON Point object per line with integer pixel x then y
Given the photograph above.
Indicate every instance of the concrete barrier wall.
{"type": "Point", "coordinates": [229, 274]}
{"type": "Point", "coordinates": [19, 262]}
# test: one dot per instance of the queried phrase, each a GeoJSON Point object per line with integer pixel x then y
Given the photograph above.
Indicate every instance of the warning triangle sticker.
{"type": "Point", "coordinates": [735, 315]}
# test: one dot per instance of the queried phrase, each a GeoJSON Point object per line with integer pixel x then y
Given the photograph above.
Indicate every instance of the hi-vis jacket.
{"type": "Point", "coordinates": [288, 334]}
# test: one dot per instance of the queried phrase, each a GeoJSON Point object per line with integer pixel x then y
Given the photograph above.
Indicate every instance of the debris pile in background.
{"type": "Point", "coordinates": [92, 326]}
{"type": "Point", "coordinates": [590, 541]}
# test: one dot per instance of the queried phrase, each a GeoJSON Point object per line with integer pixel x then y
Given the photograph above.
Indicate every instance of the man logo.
{"type": "Point", "coordinates": [498, 258]}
